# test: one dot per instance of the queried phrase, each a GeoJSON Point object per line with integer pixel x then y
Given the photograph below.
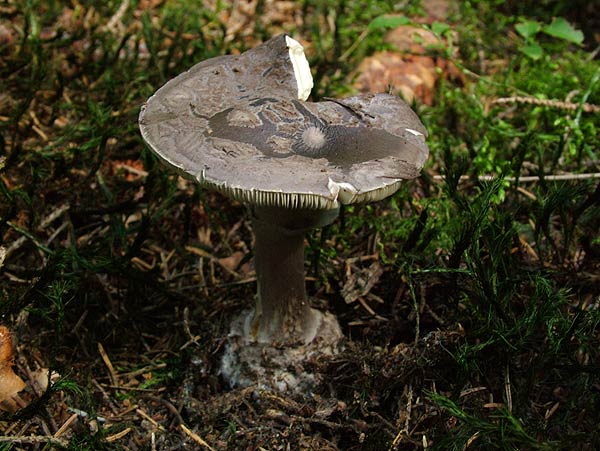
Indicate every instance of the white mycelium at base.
{"type": "Point", "coordinates": [247, 362]}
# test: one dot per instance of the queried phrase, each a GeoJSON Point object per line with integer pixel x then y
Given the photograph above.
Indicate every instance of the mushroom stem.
{"type": "Point", "coordinates": [283, 313]}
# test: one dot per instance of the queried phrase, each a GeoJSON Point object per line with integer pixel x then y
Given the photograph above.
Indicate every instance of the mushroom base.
{"type": "Point", "coordinates": [247, 362]}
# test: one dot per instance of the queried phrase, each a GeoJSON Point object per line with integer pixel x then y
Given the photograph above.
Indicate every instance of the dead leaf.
{"type": "Point", "coordinates": [437, 10]}
{"type": "Point", "coordinates": [412, 76]}
{"type": "Point", "coordinates": [40, 378]}
{"type": "Point", "coordinates": [276, 16]}
{"type": "Point", "coordinates": [7, 36]}
{"type": "Point", "coordinates": [411, 39]}
{"type": "Point", "coordinates": [232, 262]}
{"type": "Point", "coordinates": [360, 282]}
{"type": "Point", "coordinates": [10, 383]}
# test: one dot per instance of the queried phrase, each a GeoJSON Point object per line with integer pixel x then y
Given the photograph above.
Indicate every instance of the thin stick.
{"type": "Point", "coordinates": [405, 430]}
{"type": "Point", "coordinates": [143, 414]}
{"type": "Point", "coordinates": [107, 399]}
{"type": "Point", "coordinates": [168, 405]}
{"type": "Point", "coordinates": [186, 326]}
{"type": "Point", "coordinates": [34, 439]}
{"type": "Point", "coordinates": [195, 437]}
{"type": "Point", "coordinates": [118, 435]}
{"type": "Point", "coordinates": [586, 107]}
{"type": "Point", "coordinates": [66, 425]}
{"type": "Point", "coordinates": [529, 178]}
{"type": "Point", "coordinates": [132, 170]}
{"type": "Point", "coordinates": [354, 46]}
{"type": "Point", "coordinates": [126, 388]}
{"type": "Point", "coordinates": [471, 440]}
{"type": "Point", "coordinates": [43, 224]}
{"type": "Point", "coordinates": [26, 235]}
{"type": "Point", "coordinates": [111, 370]}
{"type": "Point", "coordinates": [143, 370]}
{"type": "Point", "coordinates": [507, 389]}
{"type": "Point", "coordinates": [113, 22]}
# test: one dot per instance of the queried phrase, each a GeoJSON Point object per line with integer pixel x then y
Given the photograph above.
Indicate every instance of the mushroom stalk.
{"type": "Point", "coordinates": [283, 313]}
{"type": "Point", "coordinates": [282, 307]}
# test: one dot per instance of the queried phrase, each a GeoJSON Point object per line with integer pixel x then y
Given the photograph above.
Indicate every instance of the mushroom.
{"type": "Point", "coordinates": [241, 125]}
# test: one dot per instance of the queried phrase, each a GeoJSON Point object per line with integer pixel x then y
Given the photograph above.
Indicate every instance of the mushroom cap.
{"type": "Point", "coordinates": [235, 123]}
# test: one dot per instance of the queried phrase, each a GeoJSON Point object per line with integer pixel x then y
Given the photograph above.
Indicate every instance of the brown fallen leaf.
{"type": "Point", "coordinates": [437, 10]}
{"type": "Point", "coordinates": [411, 69]}
{"type": "Point", "coordinates": [232, 262]}
{"type": "Point", "coordinates": [412, 76]}
{"type": "Point", "coordinates": [411, 39]}
{"type": "Point", "coordinates": [10, 383]}
{"type": "Point", "coordinates": [8, 36]}
{"type": "Point", "coordinates": [40, 378]}
{"type": "Point", "coordinates": [361, 281]}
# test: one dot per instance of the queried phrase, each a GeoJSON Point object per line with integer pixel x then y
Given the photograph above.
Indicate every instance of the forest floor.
{"type": "Point", "coordinates": [469, 300]}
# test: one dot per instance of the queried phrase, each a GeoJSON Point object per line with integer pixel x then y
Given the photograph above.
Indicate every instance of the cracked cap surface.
{"type": "Point", "coordinates": [235, 123]}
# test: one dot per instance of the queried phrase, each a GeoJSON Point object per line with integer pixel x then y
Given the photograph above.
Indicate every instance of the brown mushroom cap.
{"type": "Point", "coordinates": [234, 123]}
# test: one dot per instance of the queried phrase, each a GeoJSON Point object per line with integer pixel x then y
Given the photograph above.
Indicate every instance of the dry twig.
{"type": "Point", "coordinates": [114, 23]}
{"type": "Point", "coordinates": [195, 437]}
{"type": "Point", "coordinates": [33, 440]}
{"type": "Point", "coordinates": [118, 435]}
{"type": "Point", "coordinates": [111, 370]}
{"type": "Point", "coordinates": [46, 221]}
{"type": "Point", "coordinates": [586, 107]}
{"type": "Point", "coordinates": [529, 178]}
{"type": "Point", "coordinates": [66, 425]}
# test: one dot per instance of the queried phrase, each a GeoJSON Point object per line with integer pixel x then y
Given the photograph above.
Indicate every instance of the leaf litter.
{"type": "Point", "coordinates": [123, 278]}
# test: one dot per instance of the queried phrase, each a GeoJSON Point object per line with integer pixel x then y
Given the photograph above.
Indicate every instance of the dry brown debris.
{"type": "Point", "coordinates": [10, 383]}
{"type": "Point", "coordinates": [242, 18]}
{"type": "Point", "coordinates": [412, 68]}
{"type": "Point", "coordinates": [409, 70]}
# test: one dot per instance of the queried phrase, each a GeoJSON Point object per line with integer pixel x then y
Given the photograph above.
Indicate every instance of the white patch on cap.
{"type": "Point", "coordinates": [343, 191]}
{"type": "Point", "coordinates": [313, 137]}
{"type": "Point", "coordinates": [301, 68]}
{"type": "Point", "coordinates": [414, 132]}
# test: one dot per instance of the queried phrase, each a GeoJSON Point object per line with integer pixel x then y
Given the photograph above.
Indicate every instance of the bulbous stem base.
{"type": "Point", "coordinates": [247, 362]}
{"type": "Point", "coordinates": [269, 345]}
